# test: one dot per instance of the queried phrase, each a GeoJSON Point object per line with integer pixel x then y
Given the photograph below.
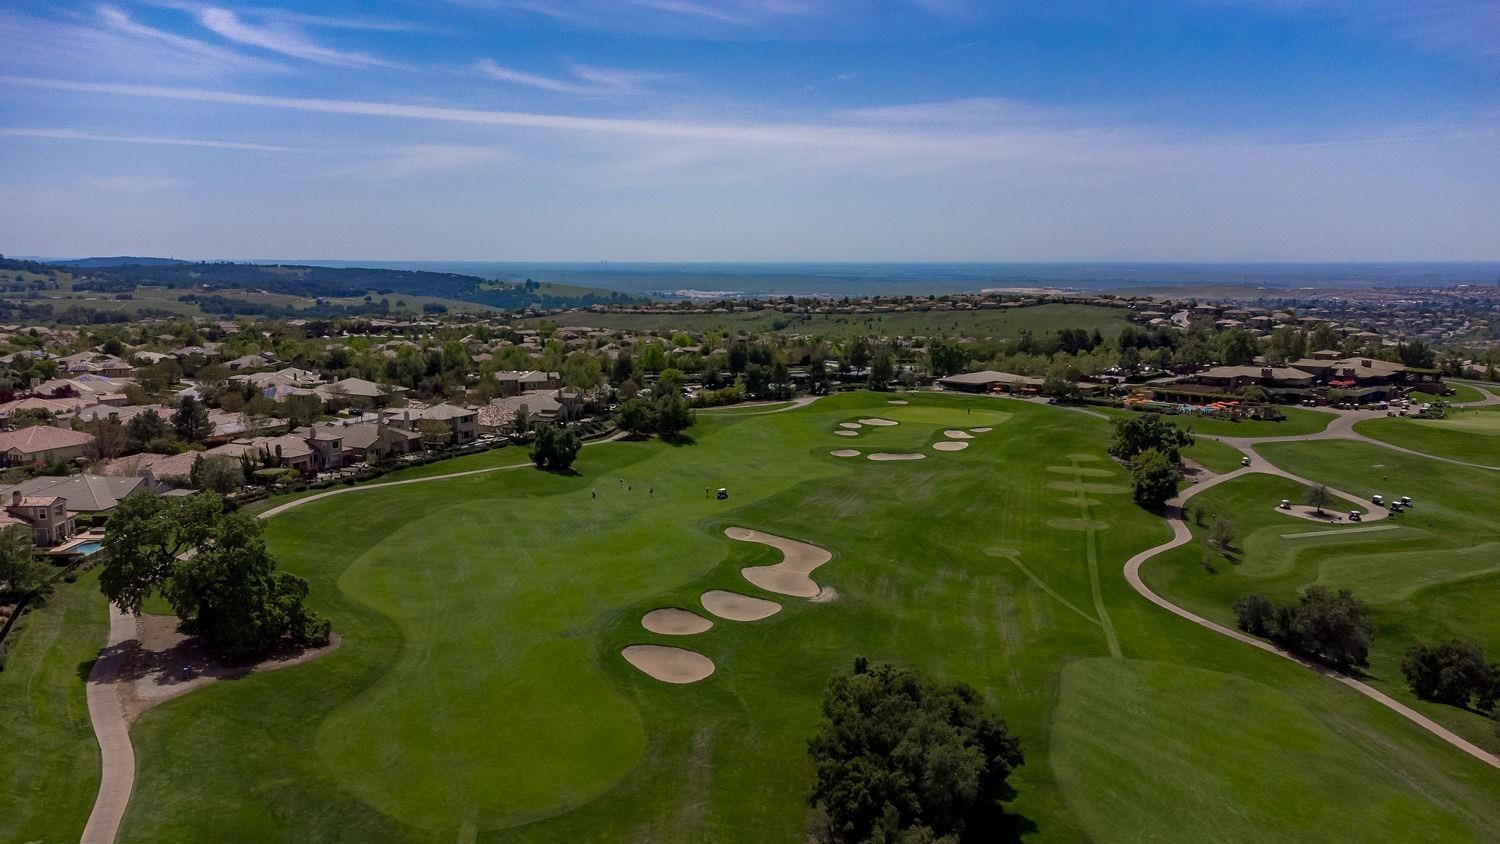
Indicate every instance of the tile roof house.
{"type": "Point", "coordinates": [47, 517]}
{"type": "Point", "coordinates": [84, 493]}
{"type": "Point", "coordinates": [41, 443]}
{"type": "Point", "coordinates": [462, 422]}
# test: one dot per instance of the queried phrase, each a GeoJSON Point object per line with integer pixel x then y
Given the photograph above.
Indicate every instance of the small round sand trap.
{"type": "Point", "coordinates": [847, 433]}
{"type": "Point", "coordinates": [845, 452]}
{"type": "Point", "coordinates": [850, 425]}
{"type": "Point", "coordinates": [667, 664]}
{"type": "Point", "coordinates": [878, 423]}
{"type": "Point", "coordinates": [950, 445]}
{"type": "Point", "coordinates": [980, 430]}
{"type": "Point", "coordinates": [955, 434]}
{"type": "Point", "coordinates": [672, 621]}
{"type": "Point", "coordinates": [881, 456]}
{"type": "Point", "coordinates": [737, 607]}
{"type": "Point", "coordinates": [896, 401]}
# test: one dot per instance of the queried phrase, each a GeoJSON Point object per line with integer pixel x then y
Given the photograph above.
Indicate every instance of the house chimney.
{"type": "Point", "coordinates": [278, 451]}
{"type": "Point", "coordinates": [15, 498]}
{"type": "Point", "coordinates": [1365, 363]}
{"type": "Point", "coordinates": [1265, 372]}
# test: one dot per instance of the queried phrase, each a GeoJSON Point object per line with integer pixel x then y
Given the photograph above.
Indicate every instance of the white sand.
{"type": "Point", "coordinates": [672, 621]}
{"type": "Point", "coordinates": [896, 401]}
{"type": "Point", "coordinates": [667, 664]}
{"type": "Point", "coordinates": [847, 433]}
{"type": "Point", "coordinates": [737, 607]}
{"type": "Point", "coordinates": [878, 423]}
{"type": "Point", "coordinates": [955, 434]}
{"type": "Point", "coordinates": [950, 445]}
{"type": "Point", "coordinates": [850, 425]}
{"type": "Point", "coordinates": [881, 456]}
{"type": "Point", "coordinates": [980, 430]}
{"type": "Point", "coordinates": [845, 452]}
{"type": "Point", "coordinates": [790, 576]}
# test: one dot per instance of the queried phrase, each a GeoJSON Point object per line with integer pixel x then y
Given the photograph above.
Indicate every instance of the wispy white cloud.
{"type": "Point", "coordinates": [279, 39]}
{"type": "Point", "coordinates": [77, 135]}
{"type": "Point", "coordinates": [586, 80]}
{"type": "Point", "coordinates": [120, 21]}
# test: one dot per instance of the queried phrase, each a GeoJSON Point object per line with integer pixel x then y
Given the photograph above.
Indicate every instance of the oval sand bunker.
{"type": "Point", "coordinates": [980, 430]}
{"type": "Point", "coordinates": [672, 621]}
{"type": "Point", "coordinates": [668, 664]}
{"type": "Point", "coordinates": [845, 452]}
{"type": "Point", "coordinates": [881, 456]}
{"type": "Point", "coordinates": [850, 425]}
{"type": "Point", "coordinates": [790, 576]}
{"type": "Point", "coordinates": [878, 423]}
{"type": "Point", "coordinates": [955, 434]}
{"type": "Point", "coordinates": [950, 445]}
{"type": "Point", "coordinates": [737, 607]}
{"type": "Point", "coordinates": [847, 433]}
{"type": "Point", "coordinates": [896, 401]}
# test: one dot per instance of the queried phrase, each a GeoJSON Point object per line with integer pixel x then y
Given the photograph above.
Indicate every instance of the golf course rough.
{"type": "Point", "coordinates": [481, 690]}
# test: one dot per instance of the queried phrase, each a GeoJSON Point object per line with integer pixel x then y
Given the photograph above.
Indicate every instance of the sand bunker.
{"type": "Point", "coordinates": [737, 607]}
{"type": "Point", "coordinates": [955, 434]}
{"type": "Point", "coordinates": [950, 445]}
{"type": "Point", "coordinates": [980, 430]}
{"type": "Point", "coordinates": [790, 576]}
{"type": "Point", "coordinates": [1332, 515]}
{"type": "Point", "coordinates": [882, 456]}
{"type": "Point", "coordinates": [671, 621]}
{"type": "Point", "coordinates": [847, 433]}
{"type": "Point", "coordinates": [850, 425]}
{"type": "Point", "coordinates": [878, 423]}
{"type": "Point", "coordinates": [667, 664]}
{"type": "Point", "coordinates": [896, 401]}
{"type": "Point", "coordinates": [845, 452]}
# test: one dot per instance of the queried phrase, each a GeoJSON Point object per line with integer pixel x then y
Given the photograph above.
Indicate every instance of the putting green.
{"type": "Point", "coordinates": [481, 691]}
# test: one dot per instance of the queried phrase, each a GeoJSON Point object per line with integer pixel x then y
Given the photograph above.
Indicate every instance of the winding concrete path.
{"type": "Point", "coordinates": [1342, 428]}
{"type": "Point", "coordinates": [1181, 535]}
{"type": "Point", "coordinates": [791, 404]}
{"type": "Point", "coordinates": [112, 727]}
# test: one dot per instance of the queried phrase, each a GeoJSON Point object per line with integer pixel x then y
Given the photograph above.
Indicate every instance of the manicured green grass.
{"type": "Point", "coordinates": [1299, 420]}
{"type": "Point", "coordinates": [1472, 436]}
{"type": "Point", "coordinates": [480, 694]}
{"type": "Point", "coordinates": [1213, 455]}
{"type": "Point", "coordinates": [1461, 393]}
{"type": "Point", "coordinates": [1428, 579]}
{"type": "Point", "coordinates": [48, 756]}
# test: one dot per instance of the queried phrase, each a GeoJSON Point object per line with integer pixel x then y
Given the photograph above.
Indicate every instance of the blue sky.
{"type": "Point", "coordinates": [753, 129]}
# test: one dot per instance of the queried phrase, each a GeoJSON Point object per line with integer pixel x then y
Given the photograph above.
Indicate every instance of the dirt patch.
{"type": "Point", "coordinates": [161, 663]}
{"type": "Point", "coordinates": [790, 576]}
{"type": "Point", "coordinates": [878, 422]}
{"type": "Point", "coordinates": [845, 452]}
{"type": "Point", "coordinates": [826, 595]}
{"type": "Point", "coordinates": [671, 621]}
{"type": "Point", "coordinates": [736, 607]}
{"type": "Point", "coordinates": [881, 456]}
{"type": "Point", "coordinates": [955, 434]}
{"type": "Point", "coordinates": [1332, 515]}
{"type": "Point", "coordinates": [950, 445]}
{"type": "Point", "coordinates": [668, 664]}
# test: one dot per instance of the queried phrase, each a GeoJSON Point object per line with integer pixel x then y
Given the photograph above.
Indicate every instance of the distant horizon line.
{"type": "Point", "coordinates": [1369, 262]}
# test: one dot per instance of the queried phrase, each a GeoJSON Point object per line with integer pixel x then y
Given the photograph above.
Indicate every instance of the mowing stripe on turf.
{"type": "Point", "coordinates": [1339, 531]}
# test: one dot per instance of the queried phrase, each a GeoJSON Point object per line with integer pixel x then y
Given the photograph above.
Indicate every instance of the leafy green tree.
{"type": "Point", "coordinates": [1317, 496]}
{"type": "Point", "coordinates": [636, 416]}
{"type": "Point", "coordinates": [555, 448]}
{"type": "Point", "coordinates": [1256, 615]}
{"type": "Point", "coordinates": [1238, 347]}
{"type": "Point", "coordinates": [213, 568]}
{"type": "Point", "coordinates": [1332, 626]}
{"type": "Point", "coordinates": [899, 757]}
{"type": "Point", "coordinates": [109, 438]}
{"type": "Point", "coordinates": [1141, 431]}
{"type": "Point", "coordinates": [301, 410]}
{"type": "Point", "coordinates": [190, 422]}
{"type": "Point", "coordinates": [1221, 533]}
{"type": "Point", "coordinates": [435, 433]}
{"type": "Point", "coordinates": [22, 573]}
{"type": "Point", "coordinates": [217, 473]}
{"type": "Point", "coordinates": [673, 414]}
{"type": "Point", "coordinates": [1154, 478]}
{"type": "Point", "coordinates": [882, 371]}
{"type": "Point", "coordinates": [1455, 672]}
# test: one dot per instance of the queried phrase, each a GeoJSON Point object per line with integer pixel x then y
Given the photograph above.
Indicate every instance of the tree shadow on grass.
{"type": "Point", "coordinates": [679, 440]}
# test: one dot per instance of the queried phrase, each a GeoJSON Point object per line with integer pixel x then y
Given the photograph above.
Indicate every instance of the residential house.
{"type": "Point", "coordinates": [42, 443]}
{"type": "Point", "coordinates": [513, 382]}
{"type": "Point", "coordinates": [462, 422]}
{"type": "Point", "coordinates": [373, 442]}
{"type": "Point", "coordinates": [46, 516]}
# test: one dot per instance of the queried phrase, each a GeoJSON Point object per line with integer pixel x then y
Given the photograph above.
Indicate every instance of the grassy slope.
{"type": "Point", "coordinates": [480, 690]}
{"type": "Point", "coordinates": [48, 756]}
{"type": "Point", "coordinates": [1434, 576]}
{"type": "Point", "coordinates": [1472, 436]}
{"type": "Point", "coordinates": [1214, 455]}
{"type": "Point", "coordinates": [1043, 319]}
{"type": "Point", "coordinates": [1299, 420]}
{"type": "Point", "coordinates": [1461, 393]}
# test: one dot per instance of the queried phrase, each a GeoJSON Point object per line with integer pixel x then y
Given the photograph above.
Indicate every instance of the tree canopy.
{"type": "Point", "coordinates": [213, 568]}
{"type": "Point", "coordinates": [1141, 431]}
{"type": "Point", "coordinates": [1454, 672]}
{"type": "Point", "coordinates": [1154, 478]}
{"type": "Point", "coordinates": [555, 448]}
{"type": "Point", "coordinates": [900, 757]}
{"type": "Point", "coordinates": [1324, 624]}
